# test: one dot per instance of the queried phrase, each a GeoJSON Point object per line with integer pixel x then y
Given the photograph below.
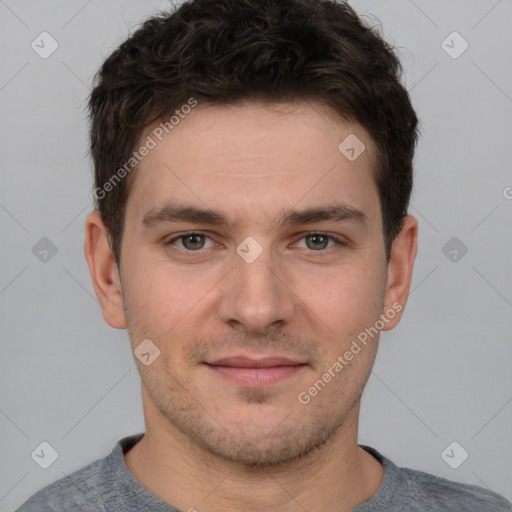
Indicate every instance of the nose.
{"type": "Point", "coordinates": [256, 296]}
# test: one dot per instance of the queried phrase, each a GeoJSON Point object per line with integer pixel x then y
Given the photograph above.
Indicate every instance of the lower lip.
{"type": "Point", "coordinates": [257, 377]}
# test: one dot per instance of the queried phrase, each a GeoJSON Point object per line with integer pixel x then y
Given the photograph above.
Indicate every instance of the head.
{"type": "Point", "coordinates": [279, 133]}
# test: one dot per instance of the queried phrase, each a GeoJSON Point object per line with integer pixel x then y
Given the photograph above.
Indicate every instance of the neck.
{"type": "Point", "coordinates": [338, 476]}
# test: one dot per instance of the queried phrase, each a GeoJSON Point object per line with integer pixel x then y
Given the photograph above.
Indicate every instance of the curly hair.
{"type": "Point", "coordinates": [229, 51]}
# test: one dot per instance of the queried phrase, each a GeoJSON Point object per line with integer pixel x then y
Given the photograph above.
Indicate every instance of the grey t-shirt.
{"type": "Point", "coordinates": [107, 485]}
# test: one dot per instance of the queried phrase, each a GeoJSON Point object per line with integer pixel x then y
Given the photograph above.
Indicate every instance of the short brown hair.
{"type": "Point", "coordinates": [228, 51]}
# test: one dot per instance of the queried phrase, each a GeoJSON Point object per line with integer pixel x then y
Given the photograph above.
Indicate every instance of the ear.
{"type": "Point", "coordinates": [104, 271]}
{"type": "Point", "coordinates": [400, 266]}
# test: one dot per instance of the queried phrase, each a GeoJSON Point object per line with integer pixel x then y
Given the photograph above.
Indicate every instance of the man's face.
{"type": "Point", "coordinates": [220, 303]}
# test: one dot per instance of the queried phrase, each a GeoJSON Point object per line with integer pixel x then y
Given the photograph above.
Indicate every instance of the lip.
{"type": "Point", "coordinates": [250, 362]}
{"type": "Point", "coordinates": [260, 372]}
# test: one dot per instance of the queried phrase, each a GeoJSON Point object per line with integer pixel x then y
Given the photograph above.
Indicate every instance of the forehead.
{"type": "Point", "coordinates": [255, 160]}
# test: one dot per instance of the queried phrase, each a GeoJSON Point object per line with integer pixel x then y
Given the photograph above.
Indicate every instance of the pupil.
{"type": "Point", "coordinates": [317, 238]}
{"type": "Point", "coordinates": [195, 241]}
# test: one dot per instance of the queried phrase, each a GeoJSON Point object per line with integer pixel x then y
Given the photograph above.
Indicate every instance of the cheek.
{"type": "Point", "coordinates": [161, 297]}
{"type": "Point", "coordinates": [346, 299]}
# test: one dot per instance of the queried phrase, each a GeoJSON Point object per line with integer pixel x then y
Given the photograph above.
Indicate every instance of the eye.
{"type": "Point", "coordinates": [191, 241]}
{"type": "Point", "coordinates": [195, 242]}
{"type": "Point", "coordinates": [320, 241]}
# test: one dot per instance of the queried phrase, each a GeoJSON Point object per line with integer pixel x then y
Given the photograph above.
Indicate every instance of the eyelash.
{"type": "Point", "coordinates": [198, 252]}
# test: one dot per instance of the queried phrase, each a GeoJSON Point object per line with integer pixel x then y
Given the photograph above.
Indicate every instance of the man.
{"type": "Point", "coordinates": [253, 168]}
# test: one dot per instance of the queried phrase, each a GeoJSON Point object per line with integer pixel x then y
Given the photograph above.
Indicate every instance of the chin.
{"type": "Point", "coordinates": [257, 446]}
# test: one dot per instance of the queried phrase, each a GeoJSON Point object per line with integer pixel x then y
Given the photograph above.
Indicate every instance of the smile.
{"type": "Point", "coordinates": [256, 373]}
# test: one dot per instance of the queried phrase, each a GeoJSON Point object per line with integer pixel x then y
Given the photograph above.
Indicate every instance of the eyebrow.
{"type": "Point", "coordinates": [192, 214]}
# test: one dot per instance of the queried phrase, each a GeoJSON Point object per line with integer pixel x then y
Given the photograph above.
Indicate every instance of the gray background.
{"type": "Point", "coordinates": [442, 375]}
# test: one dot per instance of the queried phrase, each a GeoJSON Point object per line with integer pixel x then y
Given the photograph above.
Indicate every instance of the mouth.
{"type": "Point", "coordinates": [256, 372]}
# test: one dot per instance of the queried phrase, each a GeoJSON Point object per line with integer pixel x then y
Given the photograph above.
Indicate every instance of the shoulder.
{"type": "Point", "coordinates": [410, 490]}
{"type": "Point", "coordinates": [73, 492]}
{"type": "Point", "coordinates": [91, 488]}
{"type": "Point", "coordinates": [443, 494]}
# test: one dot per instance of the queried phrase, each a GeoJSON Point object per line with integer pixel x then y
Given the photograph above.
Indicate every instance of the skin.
{"type": "Point", "coordinates": [212, 444]}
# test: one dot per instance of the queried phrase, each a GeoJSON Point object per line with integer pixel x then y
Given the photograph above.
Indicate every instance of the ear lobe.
{"type": "Point", "coordinates": [104, 272]}
{"type": "Point", "coordinates": [400, 267]}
